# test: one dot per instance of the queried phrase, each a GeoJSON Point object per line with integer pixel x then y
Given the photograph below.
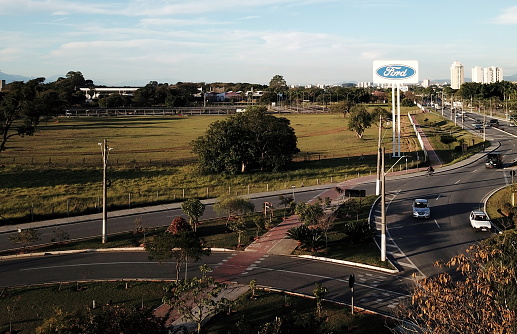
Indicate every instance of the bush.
{"type": "Point", "coordinates": [359, 231]}
{"type": "Point", "coordinates": [309, 238]}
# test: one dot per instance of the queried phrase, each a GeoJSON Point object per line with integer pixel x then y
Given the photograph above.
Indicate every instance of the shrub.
{"type": "Point", "coordinates": [359, 231]}
{"type": "Point", "coordinates": [309, 238]}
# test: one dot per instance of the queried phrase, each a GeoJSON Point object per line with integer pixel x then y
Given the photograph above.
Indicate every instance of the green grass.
{"type": "Point", "coordinates": [26, 308]}
{"type": "Point", "coordinates": [252, 313]}
{"type": "Point", "coordinates": [494, 205]}
{"type": "Point", "coordinates": [340, 246]}
{"type": "Point", "coordinates": [57, 172]}
{"type": "Point", "coordinates": [435, 126]}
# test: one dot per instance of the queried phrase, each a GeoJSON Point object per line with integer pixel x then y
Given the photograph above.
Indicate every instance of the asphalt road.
{"type": "Point", "coordinates": [151, 217]}
{"type": "Point", "coordinates": [374, 290]}
{"type": "Point", "coordinates": [452, 193]}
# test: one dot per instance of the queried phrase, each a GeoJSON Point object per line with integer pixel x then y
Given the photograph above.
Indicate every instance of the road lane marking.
{"type": "Point", "coordinates": [438, 197]}
{"type": "Point", "coordinates": [297, 273]}
{"type": "Point", "coordinates": [457, 182]}
{"type": "Point", "coordinates": [86, 264]}
{"type": "Point", "coordinates": [437, 223]}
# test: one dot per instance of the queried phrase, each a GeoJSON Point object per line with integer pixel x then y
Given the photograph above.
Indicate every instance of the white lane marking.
{"type": "Point", "coordinates": [438, 197]}
{"type": "Point", "coordinates": [86, 264]}
{"type": "Point", "coordinates": [457, 182]}
{"type": "Point", "coordinates": [332, 278]}
{"type": "Point", "coordinates": [437, 223]}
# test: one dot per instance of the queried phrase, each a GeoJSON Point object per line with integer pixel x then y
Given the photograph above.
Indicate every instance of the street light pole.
{"type": "Point", "coordinates": [383, 203]}
{"type": "Point", "coordinates": [105, 152]}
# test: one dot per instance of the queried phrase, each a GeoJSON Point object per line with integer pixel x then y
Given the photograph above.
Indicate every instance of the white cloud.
{"type": "Point", "coordinates": [178, 22]}
{"type": "Point", "coordinates": [509, 16]}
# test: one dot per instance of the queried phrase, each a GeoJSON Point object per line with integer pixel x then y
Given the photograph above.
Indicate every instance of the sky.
{"type": "Point", "coordinates": [132, 42]}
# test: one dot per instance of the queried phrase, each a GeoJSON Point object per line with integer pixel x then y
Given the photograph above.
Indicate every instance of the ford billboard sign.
{"type": "Point", "coordinates": [395, 71]}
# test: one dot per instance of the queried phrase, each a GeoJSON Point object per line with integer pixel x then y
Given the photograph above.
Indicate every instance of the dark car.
{"type": "Point", "coordinates": [494, 160]}
{"type": "Point", "coordinates": [494, 123]}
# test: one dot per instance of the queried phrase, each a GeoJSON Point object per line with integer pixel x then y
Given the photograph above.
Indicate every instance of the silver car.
{"type": "Point", "coordinates": [421, 208]}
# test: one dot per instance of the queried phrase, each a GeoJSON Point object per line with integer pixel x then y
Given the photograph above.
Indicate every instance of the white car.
{"type": "Point", "coordinates": [421, 208]}
{"type": "Point", "coordinates": [480, 221]}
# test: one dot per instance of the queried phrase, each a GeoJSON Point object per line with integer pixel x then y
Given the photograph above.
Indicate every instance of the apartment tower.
{"type": "Point", "coordinates": [457, 75]}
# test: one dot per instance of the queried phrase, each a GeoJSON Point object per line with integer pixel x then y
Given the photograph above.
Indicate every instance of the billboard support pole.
{"type": "Point", "coordinates": [393, 120]}
{"type": "Point", "coordinates": [398, 119]}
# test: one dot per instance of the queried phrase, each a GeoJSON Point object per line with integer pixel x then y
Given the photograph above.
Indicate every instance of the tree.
{"type": "Point", "coordinates": [380, 113]}
{"type": "Point", "coordinates": [232, 206]}
{"type": "Point", "coordinates": [178, 225]}
{"type": "Point", "coordinates": [21, 107]}
{"type": "Point", "coordinates": [239, 226]}
{"type": "Point", "coordinates": [447, 139]}
{"type": "Point", "coordinates": [181, 247]}
{"type": "Point", "coordinates": [325, 223]}
{"type": "Point", "coordinates": [406, 102]}
{"type": "Point", "coordinates": [253, 287]}
{"type": "Point", "coordinates": [277, 84]}
{"type": "Point", "coordinates": [25, 237]}
{"type": "Point", "coordinates": [309, 214]}
{"type": "Point", "coordinates": [285, 201]}
{"type": "Point", "coordinates": [481, 297]}
{"type": "Point", "coordinates": [360, 120]}
{"type": "Point", "coordinates": [194, 209]}
{"type": "Point", "coordinates": [342, 107]}
{"type": "Point", "coordinates": [244, 141]}
{"type": "Point", "coordinates": [319, 292]}
{"type": "Point", "coordinates": [195, 298]}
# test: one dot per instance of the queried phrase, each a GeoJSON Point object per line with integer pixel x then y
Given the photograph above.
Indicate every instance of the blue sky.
{"type": "Point", "coordinates": [305, 41]}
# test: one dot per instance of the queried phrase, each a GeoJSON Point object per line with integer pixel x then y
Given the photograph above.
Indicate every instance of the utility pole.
{"type": "Point", "coordinates": [105, 152]}
{"type": "Point", "coordinates": [383, 208]}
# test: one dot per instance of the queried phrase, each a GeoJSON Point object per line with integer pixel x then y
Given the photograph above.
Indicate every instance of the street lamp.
{"type": "Point", "coordinates": [383, 203]}
{"type": "Point", "coordinates": [293, 187]}
{"type": "Point", "coordinates": [105, 152]}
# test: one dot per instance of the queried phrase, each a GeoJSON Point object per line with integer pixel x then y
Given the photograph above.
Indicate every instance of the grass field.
{"type": "Point", "coordinates": [249, 315]}
{"type": "Point", "coordinates": [435, 126]}
{"type": "Point", "coordinates": [58, 172]}
{"type": "Point", "coordinates": [25, 308]}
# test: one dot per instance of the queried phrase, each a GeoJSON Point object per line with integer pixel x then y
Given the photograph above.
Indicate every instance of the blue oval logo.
{"type": "Point", "coordinates": [395, 71]}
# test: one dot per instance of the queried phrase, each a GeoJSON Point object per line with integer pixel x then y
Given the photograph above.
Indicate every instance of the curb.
{"type": "Point", "coordinates": [348, 263]}
{"type": "Point", "coordinates": [90, 250]}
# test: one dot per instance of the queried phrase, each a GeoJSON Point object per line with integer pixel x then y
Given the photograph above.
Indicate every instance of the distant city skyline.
{"type": "Point", "coordinates": [131, 42]}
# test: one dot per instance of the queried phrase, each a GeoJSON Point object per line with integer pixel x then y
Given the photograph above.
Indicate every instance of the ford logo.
{"type": "Point", "coordinates": [395, 72]}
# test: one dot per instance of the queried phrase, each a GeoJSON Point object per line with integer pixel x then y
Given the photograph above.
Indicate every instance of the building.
{"type": "Point", "coordinates": [426, 83]}
{"type": "Point", "coordinates": [492, 74]}
{"type": "Point", "coordinates": [487, 75]}
{"type": "Point", "coordinates": [457, 75]}
{"type": "Point", "coordinates": [98, 92]}
{"type": "Point", "coordinates": [477, 74]}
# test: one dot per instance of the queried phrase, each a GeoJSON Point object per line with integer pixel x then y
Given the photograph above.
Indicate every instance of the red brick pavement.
{"type": "Point", "coordinates": [240, 263]}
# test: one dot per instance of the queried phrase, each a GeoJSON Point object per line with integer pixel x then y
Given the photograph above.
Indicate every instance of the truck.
{"type": "Point", "coordinates": [494, 160]}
